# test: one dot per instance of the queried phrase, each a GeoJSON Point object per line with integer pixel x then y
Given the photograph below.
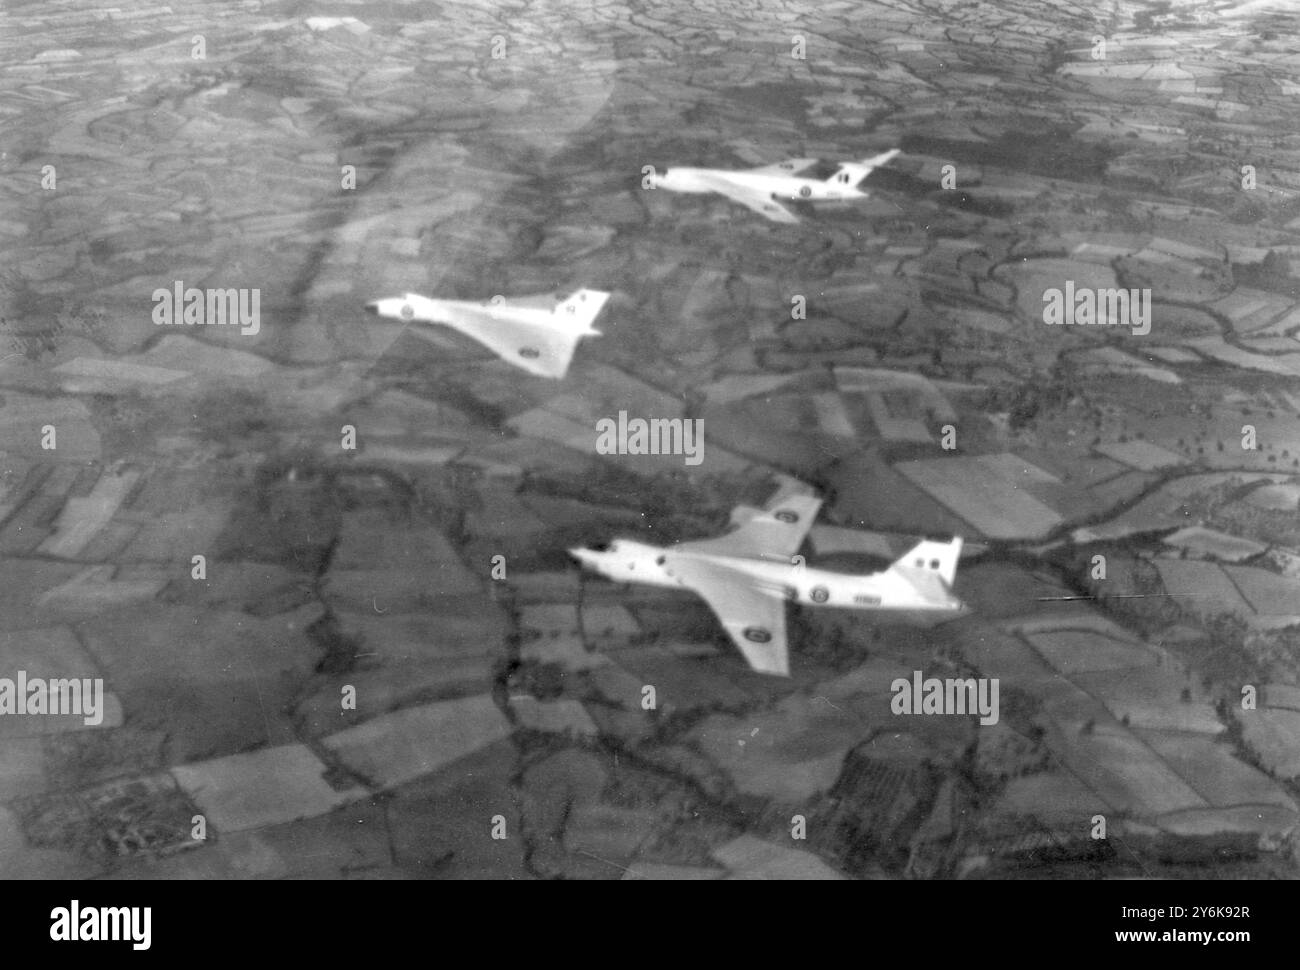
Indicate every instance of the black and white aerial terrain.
{"type": "Point", "coordinates": [995, 301]}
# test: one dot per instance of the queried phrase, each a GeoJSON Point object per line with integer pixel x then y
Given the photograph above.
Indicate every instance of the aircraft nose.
{"type": "Point", "coordinates": [593, 559]}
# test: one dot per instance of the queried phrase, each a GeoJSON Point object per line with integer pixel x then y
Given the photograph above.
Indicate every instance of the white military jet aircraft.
{"type": "Point", "coordinates": [764, 189]}
{"type": "Point", "coordinates": [747, 575]}
{"type": "Point", "coordinates": [537, 333]}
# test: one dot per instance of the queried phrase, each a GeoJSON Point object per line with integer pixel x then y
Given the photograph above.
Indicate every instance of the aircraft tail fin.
{"type": "Point", "coordinates": [854, 172]}
{"type": "Point", "coordinates": [932, 558]}
{"type": "Point", "coordinates": [581, 307]}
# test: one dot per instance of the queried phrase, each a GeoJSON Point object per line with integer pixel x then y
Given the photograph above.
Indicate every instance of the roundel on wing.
{"type": "Point", "coordinates": [407, 311]}
{"type": "Point", "coordinates": [532, 353]}
{"type": "Point", "coordinates": [805, 190]}
{"type": "Point", "coordinates": [820, 594]}
{"type": "Point", "coordinates": [757, 634]}
{"type": "Point", "coordinates": [785, 515]}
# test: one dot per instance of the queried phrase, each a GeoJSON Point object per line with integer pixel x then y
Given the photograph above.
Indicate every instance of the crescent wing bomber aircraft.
{"type": "Point", "coordinates": [766, 189]}
{"type": "Point", "coordinates": [536, 333]}
{"type": "Point", "coordinates": [747, 575]}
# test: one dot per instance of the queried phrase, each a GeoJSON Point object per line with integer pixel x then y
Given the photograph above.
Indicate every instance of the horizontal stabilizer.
{"type": "Point", "coordinates": [581, 308]}
{"type": "Point", "coordinates": [857, 171]}
{"type": "Point", "coordinates": [933, 558]}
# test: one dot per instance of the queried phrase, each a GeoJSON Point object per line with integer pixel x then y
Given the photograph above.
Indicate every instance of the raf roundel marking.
{"type": "Point", "coordinates": [756, 634]}
{"type": "Point", "coordinates": [532, 353]}
{"type": "Point", "coordinates": [820, 594]}
{"type": "Point", "coordinates": [785, 515]}
{"type": "Point", "coordinates": [407, 311]}
{"type": "Point", "coordinates": [805, 191]}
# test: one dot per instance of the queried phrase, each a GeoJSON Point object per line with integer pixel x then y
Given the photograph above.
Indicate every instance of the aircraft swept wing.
{"type": "Point", "coordinates": [758, 200]}
{"type": "Point", "coordinates": [775, 533]}
{"type": "Point", "coordinates": [791, 166]}
{"type": "Point", "coordinates": [535, 333]}
{"type": "Point", "coordinates": [755, 621]}
{"type": "Point", "coordinates": [539, 348]}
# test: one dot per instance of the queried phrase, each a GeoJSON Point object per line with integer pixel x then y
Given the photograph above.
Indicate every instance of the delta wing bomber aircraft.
{"type": "Point", "coordinates": [765, 189]}
{"type": "Point", "coordinates": [747, 575]}
{"type": "Point", "coordinates": [535, 333]}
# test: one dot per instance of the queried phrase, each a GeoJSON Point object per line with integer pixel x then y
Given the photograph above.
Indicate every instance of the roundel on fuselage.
{"type": "Point", "coordinates": [805, 190]}
{"type": "Point", "coordinates": [785, 515]}
{"type": "Point", "coordinates": [820, 594]}
{"type": "Point", "coordinates": [756, 634]}
{"type": "Point", "coordinates": [407, 311]}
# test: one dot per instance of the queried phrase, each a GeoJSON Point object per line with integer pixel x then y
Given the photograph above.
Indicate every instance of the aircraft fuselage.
{"type": "Point", "coordinates": [626, 561]}
{"type": "Point", "coordinates": [785, 187]}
